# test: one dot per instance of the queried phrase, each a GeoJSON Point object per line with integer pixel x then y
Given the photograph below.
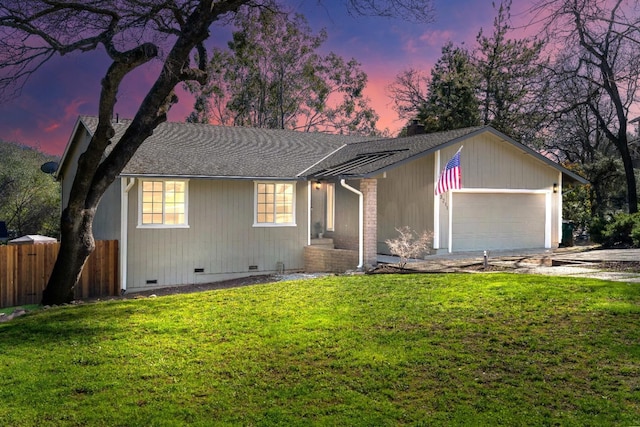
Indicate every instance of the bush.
{"type": "Point", "coordinates": [596, 229]}
{"type": "Point", "coordinates": [623, 230]}
{"type": "Point", "coordinates": [409, 244]}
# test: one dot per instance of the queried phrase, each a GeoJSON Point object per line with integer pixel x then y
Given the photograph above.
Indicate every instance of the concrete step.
{"type": "Point", "coordinates": [324, 242]}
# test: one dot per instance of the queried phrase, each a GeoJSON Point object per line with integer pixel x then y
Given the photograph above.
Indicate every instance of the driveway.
{"type": "Point", "coordinates": [598, 255]}
{"type": "Point", "coordinates": [577, 261]}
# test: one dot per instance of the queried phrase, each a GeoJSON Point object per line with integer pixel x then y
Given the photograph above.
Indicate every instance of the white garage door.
{"type": "Point", "coordinates": [498, 221]}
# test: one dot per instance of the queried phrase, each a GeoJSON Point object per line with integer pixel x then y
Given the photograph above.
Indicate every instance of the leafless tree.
{"type": "Point", "coordinates": [576, 139]}
{"type": "Point", "coordinates": [408, 93]}
{"type": "Point", "coordinates": [600, 57]}
{"type": "Point", "coordinates": [133, 33]}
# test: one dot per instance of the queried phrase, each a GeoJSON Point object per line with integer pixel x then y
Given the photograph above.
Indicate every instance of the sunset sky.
{"type": "Point", "coordinates": [44, 114]}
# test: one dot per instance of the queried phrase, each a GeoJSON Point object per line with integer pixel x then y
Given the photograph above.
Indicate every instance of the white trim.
{"type": "Point", "coordinates": [125, 186]}
{"type": "Point", "coordinates": [164, 226]}
{"type": "Point", "coordinates": [547, 219]}
{"type": "Point", "coordinates": [308, 212]}
{"type": "Point", "coordinates": [560, 184]}
{"type": "Point", "coordinates": [63, 159]}
{"type": "Point", "coordinates": [450, 221]}
{"type": "Point", "coordinates": [501, 190]}
{"type": "Point", "coordinates": [436, 202]}
{"type": "Point", "coordinates": [255, 205]}
{"type": "Point", "coordinates": [331, 208]}
{"type": "Point", "coordinates": [360, 222]}
{"type": "Point", "coordinates": [324, 158]}
{"type": "Point", "coordinates": [161, 226]}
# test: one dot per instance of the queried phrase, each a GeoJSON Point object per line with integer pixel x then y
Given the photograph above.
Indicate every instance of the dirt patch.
{"type": "Point", "coordinates": [623, 266]}
{"type": "Point", "coordinates": [472, 267]}
{"type": "Point", "coordinates": [187, 289]}
{"type": "Point", "coordinates": [480, 267]}
{"type": "Point", "coordinates": [391, 269]}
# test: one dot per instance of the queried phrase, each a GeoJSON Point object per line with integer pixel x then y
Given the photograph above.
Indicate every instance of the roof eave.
{"type": "Point", "coordinates": [196, 176]}
{"type": "Point", "coordinates": [572, 176]}
{"type": "Point", "coordinates": [68, 146]}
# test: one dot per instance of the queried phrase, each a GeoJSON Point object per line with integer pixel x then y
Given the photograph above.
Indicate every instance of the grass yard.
{"type": "Point", "coordinates": [381, 350]}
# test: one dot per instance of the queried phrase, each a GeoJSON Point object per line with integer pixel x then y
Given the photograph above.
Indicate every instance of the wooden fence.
{"type": "Point", "coordinates": [25, 270]}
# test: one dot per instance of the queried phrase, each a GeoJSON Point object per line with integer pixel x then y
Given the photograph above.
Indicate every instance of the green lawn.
{"type": "Point", "coordinates": [383, 350]}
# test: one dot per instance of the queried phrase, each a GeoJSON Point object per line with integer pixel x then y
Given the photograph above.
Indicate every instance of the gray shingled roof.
{"type": "Point", "coordinates": [200, 150]}
{"type": "Point", "coordinates": [361, 160]}
{"type": "Point", "coordinates": [373, 157]}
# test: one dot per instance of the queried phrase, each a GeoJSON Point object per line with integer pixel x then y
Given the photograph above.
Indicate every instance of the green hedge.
{"type": "Point", "coordinates": [622, 230]}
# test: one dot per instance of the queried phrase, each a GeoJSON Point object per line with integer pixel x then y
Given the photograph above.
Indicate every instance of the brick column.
{"type": "Point", "coordinates": [369, 189]}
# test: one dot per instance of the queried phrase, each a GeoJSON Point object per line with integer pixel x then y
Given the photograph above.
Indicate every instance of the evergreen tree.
{"type": "Point", "coordinates": [510, 79]}
{"type": "Point", "coordinates": [29, 198]}
{"type": "Point", "coordinates": [451, 94]}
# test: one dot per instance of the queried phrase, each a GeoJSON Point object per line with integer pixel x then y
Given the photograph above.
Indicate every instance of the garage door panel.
{"type": "Point", "coordinates": [498, 221]}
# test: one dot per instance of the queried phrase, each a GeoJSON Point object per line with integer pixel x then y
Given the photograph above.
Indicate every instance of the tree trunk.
{"type": "Point", "coordinates": [632, 192]}
{"type": "Point", "coordinates": [94, 173]}
{"type": "Point", "coordinates": [76, 244]}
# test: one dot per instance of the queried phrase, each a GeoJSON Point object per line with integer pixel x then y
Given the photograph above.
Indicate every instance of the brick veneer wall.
{"type": "Point", "coordinates": [319, 259]}
{"type": "Point", "coordinates": [346, 242]}
{"type": "Point", "coordinates": [369, 189]}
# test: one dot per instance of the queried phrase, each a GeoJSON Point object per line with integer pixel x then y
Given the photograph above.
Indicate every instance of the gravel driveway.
{"type": "Point", "coordinates": [607, 264]}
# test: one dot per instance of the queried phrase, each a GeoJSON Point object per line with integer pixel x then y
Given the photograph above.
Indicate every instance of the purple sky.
{"type": "Point", "coordinates": [44, 114]}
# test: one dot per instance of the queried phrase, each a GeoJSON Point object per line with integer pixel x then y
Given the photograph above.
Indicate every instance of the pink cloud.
{"type": "Point", "coordinates": [52, 127]}
{"type": "Point", "coordinates": [436, 38]}
{"type": "Point", "coordinates": [72, 108]}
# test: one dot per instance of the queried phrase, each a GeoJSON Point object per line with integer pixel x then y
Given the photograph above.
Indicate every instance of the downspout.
{"type": "Point", "coordinates": [309, 213]}
{"type": "Point", "coordinates": [436, 202]}
{"type": "Point", "coordinates": [360, 222]}
{"type": "Point", "coordinates": [125, 185]}
{"type": "Point", "coordinates": [559, 207]}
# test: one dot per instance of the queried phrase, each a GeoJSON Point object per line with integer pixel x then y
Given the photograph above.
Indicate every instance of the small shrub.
{"type": "Point", "coordinates": [596, 229]}
{"type": "Point", "coordinates": [409, 244]}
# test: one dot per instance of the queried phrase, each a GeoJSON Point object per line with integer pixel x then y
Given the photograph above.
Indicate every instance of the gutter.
{"type": "Point", "coordinates": [360, 222]}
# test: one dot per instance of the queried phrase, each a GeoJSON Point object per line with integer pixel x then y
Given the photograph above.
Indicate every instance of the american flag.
{"type": "Point", "coordinates": [451, 176]}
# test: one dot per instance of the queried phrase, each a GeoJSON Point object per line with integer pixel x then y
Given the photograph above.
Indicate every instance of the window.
{"type": "Point", "coordinates": [331, 206]}
{"type": "Point", "coordinates": [275, 203]}
{"type": "Point", "coordinates": [163, 204]}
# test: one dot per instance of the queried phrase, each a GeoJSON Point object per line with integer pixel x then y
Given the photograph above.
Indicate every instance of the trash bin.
{"type": "Point", "coordinates": [567, 233]}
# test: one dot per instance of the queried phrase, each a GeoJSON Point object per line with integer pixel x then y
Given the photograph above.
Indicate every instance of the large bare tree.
{"type": "Point", "coordinates": [600, 56]}
{"type": "Point", "coordinates": [133, 33]}
{"type": "Point", "coordinates": [408, 92]}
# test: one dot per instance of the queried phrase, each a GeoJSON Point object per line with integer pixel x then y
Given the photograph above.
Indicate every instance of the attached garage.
{"type": "Point", "coordinates": [507, 197]}
{"type": "Point", "coordinates": [499, 221]}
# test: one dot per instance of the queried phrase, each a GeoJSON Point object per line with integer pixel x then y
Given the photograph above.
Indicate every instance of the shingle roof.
{"type": "Point", "coordinates": [200, 150]}
{"type": "Point", "coordinates": [372, 157]}
{"type": "Point", "coordinates": [361, 160]}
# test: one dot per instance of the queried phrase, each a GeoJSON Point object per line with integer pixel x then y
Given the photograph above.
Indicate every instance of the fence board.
{"type": "Point", "coordinates": [25, 270]}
